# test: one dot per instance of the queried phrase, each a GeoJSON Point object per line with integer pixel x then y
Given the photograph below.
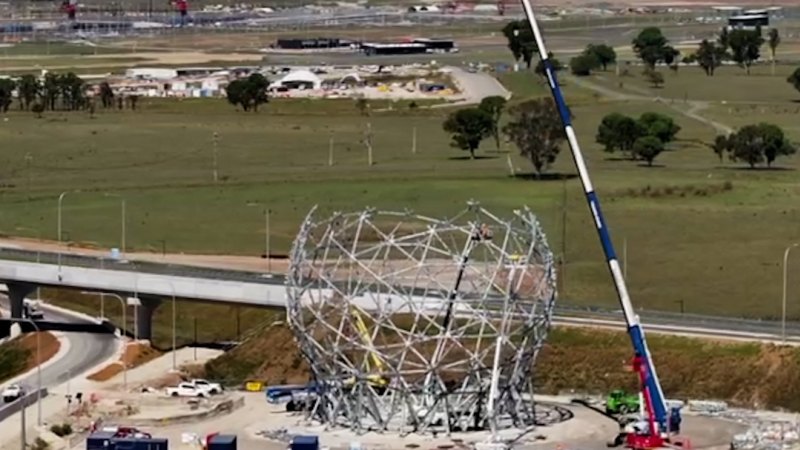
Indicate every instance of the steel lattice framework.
{"type": "Point", "coordinates": [415, 324]}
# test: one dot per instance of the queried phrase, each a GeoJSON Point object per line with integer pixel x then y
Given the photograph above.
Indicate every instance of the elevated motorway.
{"type": "Point", "coordinates": [24, 270]}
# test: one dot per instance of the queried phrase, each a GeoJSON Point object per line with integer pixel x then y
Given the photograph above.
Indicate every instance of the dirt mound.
{"type": "Point", "coordinates": [592, 361]}
{"type": "Point", "coordinates": [135, 354]}
{"type": "Point", "coordinates": [48, 344]}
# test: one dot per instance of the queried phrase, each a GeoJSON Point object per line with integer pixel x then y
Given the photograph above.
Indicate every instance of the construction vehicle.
{"type": "Point", "coordinates": [657, 434]}
{"type": "Point", "coordinates": [376, 380]}
{"type": "Point", "coordinates": [620, 402]}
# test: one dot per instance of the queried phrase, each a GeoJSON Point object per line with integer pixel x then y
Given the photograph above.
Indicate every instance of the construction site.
{"type": "Point", "coordinates": [395, 328]}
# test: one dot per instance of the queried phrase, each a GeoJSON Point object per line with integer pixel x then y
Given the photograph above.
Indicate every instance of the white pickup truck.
{"type": "Point", "coordinates": [187, 390]}
{"type": "Point", "coordinates": [212, 388]}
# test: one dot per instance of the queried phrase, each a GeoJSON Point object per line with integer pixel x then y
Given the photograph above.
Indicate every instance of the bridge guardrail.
{"type": "Point", "coordinates": [12, 408]}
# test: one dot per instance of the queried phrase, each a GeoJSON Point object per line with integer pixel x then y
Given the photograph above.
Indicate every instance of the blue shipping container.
{"type": "Point", "coordinates": [305, 443]}
{"type": "Point", "coordinates": [99, 441]}
{"type": "Point", "coordinates": [222, 442]}
{"type": "Point", "coordinates": [140, 444]}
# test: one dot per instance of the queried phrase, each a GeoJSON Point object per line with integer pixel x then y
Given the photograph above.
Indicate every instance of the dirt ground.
{"type": "Point", "coordinates": [135, 355]}
{"type": "Point", "coordinates": [49, 346]}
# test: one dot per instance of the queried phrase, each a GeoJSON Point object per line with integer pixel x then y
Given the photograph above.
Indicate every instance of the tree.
{"type": "Point", "coordinates": [654, 77]}
{"type": "Point", "coordinates": [659, 126]}
{"type": "Point", "coordinates": [106, 95]}
{"type": "Point", "coordinates": [723, 40]}
{"type": "Point", "coordinates": [72, 90]}
{"type": "Point", "coordinates": [50, 90]}
{"type": "Point", "coordinates": [256, 90]}
{"type": "Point", "coordinates": [248, 92]}
{"type": "Point", "coordinates": [537, 131]}
{"type": "Point", "coordinates": [583, 64]}
{"type": "Point", "coordinates": [721, 146]}
{"type": "Point", "coordinates": [773, 39]}
{"type": "Point", "coordinates": [521, 41]}
{"type": "Point", "coordinates": [794, 79]}
{"type": "Point", "coordinates": [468, 127]}
{"type": "Point", "coordinates": [7, 86]}
{"type": "Point", "coordinates": [494, 106]}
{"type": "Point", "coordinates": [651, 46]}
{"type": "Point", "coordinates": [603, 53]}
{"type": "Point", "coordinates": [28, 90]}
{"type": "Point", "coordinates": [648, 148]}
{"type": "Point", "coordinates": [710, 56]}
{"type": "Point", "coordinates": [745, 47]}
{"type": "Point", "coordinates": [755, 144]}
{"type": "Point", "coordinates": [619, 132]}
{"type": "Point", "coordinates": [554, 63]}
{"type": "Point", "coordinates": [671, 56]}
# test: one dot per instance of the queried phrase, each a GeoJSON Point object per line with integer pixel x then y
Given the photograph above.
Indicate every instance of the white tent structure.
{"type": "Point", "coordinates": [299, 78]}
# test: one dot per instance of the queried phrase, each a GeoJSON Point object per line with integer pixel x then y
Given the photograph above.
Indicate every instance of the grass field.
{"type": "Point", "coordinates": [698, 232]}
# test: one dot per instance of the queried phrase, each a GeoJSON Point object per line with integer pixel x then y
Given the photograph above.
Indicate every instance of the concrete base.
{"type": "Point", "coordinates": [17, 292]}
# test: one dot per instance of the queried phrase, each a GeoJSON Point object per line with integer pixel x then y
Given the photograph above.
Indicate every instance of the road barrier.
{"type": "Point", "coordinates": [9, 409]}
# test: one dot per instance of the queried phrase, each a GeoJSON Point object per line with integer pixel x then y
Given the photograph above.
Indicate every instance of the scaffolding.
{"type": "Point", "coordinates": [419, 325]}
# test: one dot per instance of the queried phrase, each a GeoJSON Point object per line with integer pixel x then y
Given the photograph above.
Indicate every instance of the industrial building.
{"type": "Point", "coordinates": [311, 44]}
{"type": "Point", "coordinates": [416, 46]}
{"type": "Point", "coordinates": [748, 21]}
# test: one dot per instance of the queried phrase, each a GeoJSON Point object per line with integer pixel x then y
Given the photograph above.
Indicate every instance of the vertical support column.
{"type": "Point", "coordinates": [16, 297]}
{"type": "Point", "coordinates": [144, 316]}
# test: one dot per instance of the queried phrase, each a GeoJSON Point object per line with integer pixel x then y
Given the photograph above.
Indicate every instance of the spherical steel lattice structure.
{"type": "Point", "coordinates": [414, 324]}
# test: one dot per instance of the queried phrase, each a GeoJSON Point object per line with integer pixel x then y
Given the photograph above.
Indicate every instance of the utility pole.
{"type": "Point", "coordinates": [215, 142]}
{"type": "Point", "coordinates": [330, 151]}
{"type": "Point", "coordinates": [414, 141]}
{"type": "Point", "coordinates": [368, 142]}
{"type": "Point", "coordinates": [267, 213]}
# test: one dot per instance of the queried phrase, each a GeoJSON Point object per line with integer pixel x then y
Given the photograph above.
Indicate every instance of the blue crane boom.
{"type": "Point", "coordinates": [635, 330]}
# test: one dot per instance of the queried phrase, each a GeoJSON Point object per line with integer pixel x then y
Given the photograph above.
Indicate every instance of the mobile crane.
{"type": "Point", "coordinates": [657, 433]}
{"type": "Point", "coordinates": [376, 380]}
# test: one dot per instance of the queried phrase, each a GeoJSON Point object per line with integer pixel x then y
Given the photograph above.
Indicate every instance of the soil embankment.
{"type": "Point", "coordinates": [585, 361]}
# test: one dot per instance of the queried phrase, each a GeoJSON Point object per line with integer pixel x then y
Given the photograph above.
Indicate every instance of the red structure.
{"type": "Point", "coordinates": [70, 7]}
{"type": "Point", "coordinates": [182, 6]}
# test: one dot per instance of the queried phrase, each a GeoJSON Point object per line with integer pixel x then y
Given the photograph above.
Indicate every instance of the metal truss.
{"type": "Point", "coordinates": [420, 325]}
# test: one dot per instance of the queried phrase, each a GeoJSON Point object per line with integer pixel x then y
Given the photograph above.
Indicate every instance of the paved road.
{"type": "Point", "coordinates": [85, 352]}
{"type": "Point", "coordinates": [476, 87]}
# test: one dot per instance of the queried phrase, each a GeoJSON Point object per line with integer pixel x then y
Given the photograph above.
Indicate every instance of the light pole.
{"type": "Point", "coordinates": [783, 303]}
{"type": "Point", "coordinates": [38, 370]}
{"type": "Point", "coordinates": [60, 201]}
{"type": "Point", "coordinates": [124, 221]}
{"type": "Point", "coordinates": [122, 328]}
{"type": "Point", "coordinates": [267, 214]}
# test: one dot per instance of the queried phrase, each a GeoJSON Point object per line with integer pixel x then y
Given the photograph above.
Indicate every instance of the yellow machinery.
{"type": "Point", "coordinates": [375, 380]}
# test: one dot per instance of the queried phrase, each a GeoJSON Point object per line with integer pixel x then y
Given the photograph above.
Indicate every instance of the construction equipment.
{"type": "Point", "coordinates": [376, 380]}
{"type": "Point", "coordinates": [654, 396]}
{"type": "Point", "coordinates": [620, 402]}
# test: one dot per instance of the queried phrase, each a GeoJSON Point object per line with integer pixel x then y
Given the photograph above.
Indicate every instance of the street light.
{"type": "Point", "coordinates": [38, 369]}
{"type": "Point", "coordinates": [783, 303]}
{"type": "Point", "coordinates": [267, 213]}
{"type": "Point", "coordinates": [122, 199]}
{"type": "Point", "coordinates": [60, 200]}
{"type": "Point", "coordinates": [122, 329]}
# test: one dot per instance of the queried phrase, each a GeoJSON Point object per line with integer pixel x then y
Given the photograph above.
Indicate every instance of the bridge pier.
{"type": "Point", "coordinates": [16, 297]}
{"type": "Point", "coordinates": [144, 316]}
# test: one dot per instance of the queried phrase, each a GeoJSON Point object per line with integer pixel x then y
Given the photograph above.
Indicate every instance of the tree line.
{"type": "Point", "coordinates": [58, 92]}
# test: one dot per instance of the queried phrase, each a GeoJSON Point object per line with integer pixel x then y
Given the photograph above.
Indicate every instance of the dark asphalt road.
{"type": "Point", "coordinates": [85, 351]}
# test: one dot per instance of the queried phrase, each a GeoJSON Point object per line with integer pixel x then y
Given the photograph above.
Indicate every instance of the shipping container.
{"type": "Point", "coordinates": [140, 444]}
{"type": "Point", "coordinates": [222, 442]}
{"type": "Point", "coordinates": [305, 443]}
{"type": "Point", "coordinates": [100, 440]}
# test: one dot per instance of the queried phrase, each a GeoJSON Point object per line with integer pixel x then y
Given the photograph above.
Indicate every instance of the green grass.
{"type": "Point", "coordinates": [730, 84]}
{"type": "Point", "coordinates": [688, 239]}
{"type": "Point", "coordinates": [13, 359]}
